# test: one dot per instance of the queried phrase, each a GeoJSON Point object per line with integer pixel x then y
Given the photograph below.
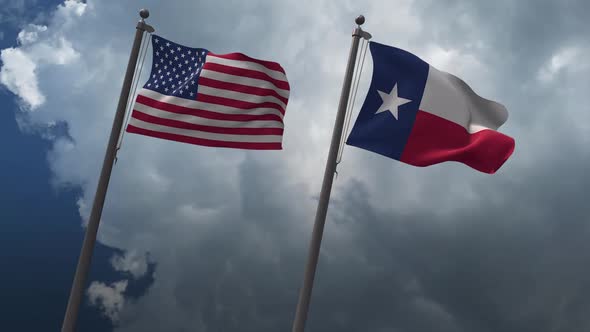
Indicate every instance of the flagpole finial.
{"type": "Point", "coordinates": [144, 13]}
{"type": "Point", "coordinates": [360, 20]}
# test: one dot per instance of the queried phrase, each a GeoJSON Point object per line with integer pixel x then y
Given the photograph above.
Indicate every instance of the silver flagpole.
{"type": "Point", "coordinates": [83, 267]}
{"type": "Point", "coordinates": [320, 218]}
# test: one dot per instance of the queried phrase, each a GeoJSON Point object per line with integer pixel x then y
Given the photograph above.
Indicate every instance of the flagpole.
{"type": "Point", "coordinates": [85, 258]}
{"type": "Point", "coordinates": [320, 218]}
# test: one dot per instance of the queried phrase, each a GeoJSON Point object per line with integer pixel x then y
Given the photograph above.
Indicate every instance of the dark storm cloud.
{"type": "Point", "coordinates": [514, 266]}
{"type": "Point", "coordinates": [518, 265]}
{"type": "Point", "coordinates": [519, 31]}
{"type": "Point", "coordinates": [519, 37]}
{"type": "Point", "coordinates": [510, 261]}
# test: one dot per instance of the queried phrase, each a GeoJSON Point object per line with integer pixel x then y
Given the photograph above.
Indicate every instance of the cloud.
{"type": "Point", "coordinates": [405, 249]}
{"type": "Point", "coordinates": [568, 59]}
{"type": "Point", "coordinates": [38, 47]}
{"type": "Point", "coordinates": [108, 298]}
{"type": "Point", "coordinates": [18, 75]}
{"type": "Point", "coordinates": [131, 262]}
{"type": "Point", "coordinates": [30, 34]}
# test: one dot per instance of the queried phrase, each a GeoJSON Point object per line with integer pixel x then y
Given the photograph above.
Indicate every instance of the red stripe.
{"type": "Point", "coordinates": [434, 140]}
{"type": "Point", "coordinates": [210, 129]}
{"type": "Point", "coordinates": [243, 57]}
{"type": "Point", "coordinates": [237, 103]}
{"type": "Point", "coordinates": [205, 142]}
{"type": "Point", "coordinates": [246, 73]}
{"type": "Point", "coordinates": [241, 88]}
{"type": "Point", "coordinates": [205, 113]}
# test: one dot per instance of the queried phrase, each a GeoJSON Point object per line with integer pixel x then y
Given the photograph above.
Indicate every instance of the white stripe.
{"type": "Point", "coordinates": [204, 121]}
{"type": "Point", "coordinates": [277, 75]}
{"type": "Point", "coordinates": [244, 81]}
{"type": "Point", "coordinates": [450, 98]}
{"type": "Point", "coordinates": [205, 135]}
{"type": "Point", "coordinates": [256, 99]}
{"type": "Point", "coordinates": [193, 104]}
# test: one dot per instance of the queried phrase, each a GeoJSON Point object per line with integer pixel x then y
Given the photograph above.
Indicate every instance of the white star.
{"type": "Point", "coordinates": [391, 102]}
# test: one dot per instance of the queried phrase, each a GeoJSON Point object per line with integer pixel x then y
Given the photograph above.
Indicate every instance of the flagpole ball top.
{"type": "Point", "coordinates": [144, 13]}
{"type": "Point", "coordinates": [360, 20]}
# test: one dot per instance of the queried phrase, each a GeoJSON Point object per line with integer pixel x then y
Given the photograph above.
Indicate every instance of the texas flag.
{"type": "Point", "coordinates": [422, 116]}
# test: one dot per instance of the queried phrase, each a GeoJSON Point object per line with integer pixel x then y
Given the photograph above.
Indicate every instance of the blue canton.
{"type": "Point", "coordinates": [175, 68]}
{"type": "Point", "coordinates": [381, 132]}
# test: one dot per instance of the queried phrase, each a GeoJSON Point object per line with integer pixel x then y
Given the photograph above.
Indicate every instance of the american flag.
{"type": "Point", "coordinates": [220, 100]}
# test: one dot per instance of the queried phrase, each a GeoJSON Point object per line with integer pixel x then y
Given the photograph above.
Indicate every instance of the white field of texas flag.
{"type": "Point", "coordinates": [218, 100]}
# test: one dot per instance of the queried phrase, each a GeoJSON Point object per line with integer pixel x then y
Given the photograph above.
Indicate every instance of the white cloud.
{"type": "Point", "coordinates": [72, 8]}
{"type": "Point", "coordinates": [30, 34]}
{"type": "Point", "coordinates": [38, 48]}
{"type": "Point", "coordinates": [18, 75]}
{"type": "Point", "coordinates": [132, 262]}
{"type": "Point", "coordinates": [108, 298]}
{"type": "Point", "coordinates": [561, 60]}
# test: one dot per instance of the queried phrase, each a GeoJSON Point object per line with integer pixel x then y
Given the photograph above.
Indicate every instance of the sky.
{"type": "Point", "coordinates": [201, 239]}
{"type": "Point", "coordinates": [41, 235]}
